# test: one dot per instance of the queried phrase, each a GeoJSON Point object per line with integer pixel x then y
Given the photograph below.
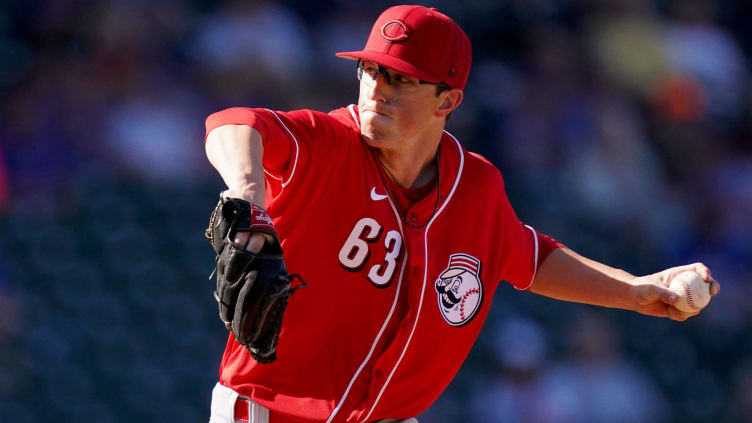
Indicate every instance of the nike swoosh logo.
{"type": "Point", "coordinates": [376, 197]}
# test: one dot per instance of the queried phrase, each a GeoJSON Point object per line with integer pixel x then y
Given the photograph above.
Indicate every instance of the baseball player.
{"type": "Point", "coordinates": [401, 235]}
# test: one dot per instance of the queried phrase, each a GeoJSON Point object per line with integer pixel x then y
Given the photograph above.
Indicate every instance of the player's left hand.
{"type": "Point", "coordinates": [653, 297]}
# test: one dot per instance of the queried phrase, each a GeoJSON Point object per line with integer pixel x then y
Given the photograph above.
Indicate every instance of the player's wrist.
{"type": "Point", "coordinates": [247, 192]}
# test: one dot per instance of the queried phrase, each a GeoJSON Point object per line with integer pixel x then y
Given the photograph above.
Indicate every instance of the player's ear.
{"type": "Point", "coordinates": [448, 101]}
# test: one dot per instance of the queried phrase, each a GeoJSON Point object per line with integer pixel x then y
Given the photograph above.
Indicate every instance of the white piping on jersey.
{"type": "Point", "coordinates": [351, 108]}
{"type": "Point", "coordinates": [297, 151]}
{"type": "Point", "coordinates": [383, 326]}
{"type": "Point", "coordinates": [425, 275]}
{"type": "Point", "coordinates": [535, 258]}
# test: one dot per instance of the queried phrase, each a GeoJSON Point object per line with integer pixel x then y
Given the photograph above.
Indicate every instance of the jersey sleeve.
{"type": "Point", "coordinates": [523, 248]}
{"type": "Point", "coordinates": [277, 144]}
{"type": "Point", "coordinates": [301, 149]}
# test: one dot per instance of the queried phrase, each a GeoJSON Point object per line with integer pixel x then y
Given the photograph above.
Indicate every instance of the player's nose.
{"type": "Point", "coordinates": [379, 90]}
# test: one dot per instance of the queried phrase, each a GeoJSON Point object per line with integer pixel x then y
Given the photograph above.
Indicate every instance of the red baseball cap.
{"type": "Point", "coordinates": [420, 42]}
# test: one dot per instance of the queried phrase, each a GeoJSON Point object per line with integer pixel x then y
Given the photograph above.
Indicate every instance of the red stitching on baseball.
{"type": "Point", "coordinates": [687, 292]}
{"type": "Point", "coordinates": [464, 297]}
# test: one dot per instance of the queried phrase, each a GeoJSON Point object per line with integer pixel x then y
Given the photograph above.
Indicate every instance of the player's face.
{"type": "Point", "coordinates": [394, 107]}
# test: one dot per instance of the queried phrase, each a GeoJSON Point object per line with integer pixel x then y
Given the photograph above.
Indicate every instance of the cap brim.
{"type": "Point", "coordinates": [391, 62]}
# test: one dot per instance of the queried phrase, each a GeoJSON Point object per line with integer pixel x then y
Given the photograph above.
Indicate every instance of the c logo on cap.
{"type": "Point", "coordinates": [395, 31]}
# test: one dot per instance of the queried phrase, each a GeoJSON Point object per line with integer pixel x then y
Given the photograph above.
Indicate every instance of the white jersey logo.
{"type": "Point", "coordinates": [376, 197]}
{"type": "Point", "coordinates": [459, 290]}
{"type": "Point", "coordinates": [264, 218]}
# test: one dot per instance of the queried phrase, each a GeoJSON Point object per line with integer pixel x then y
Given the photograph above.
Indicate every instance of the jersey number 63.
{"type": "Point", "coordinates": [355, 252]}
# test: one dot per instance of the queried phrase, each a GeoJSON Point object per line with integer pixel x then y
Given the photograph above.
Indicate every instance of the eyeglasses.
{"type": "Point", "coordinates": [368, 72]}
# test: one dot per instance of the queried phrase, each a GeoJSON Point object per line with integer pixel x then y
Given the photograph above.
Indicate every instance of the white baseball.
{"type": "Point", "coordinates": [693, 291]}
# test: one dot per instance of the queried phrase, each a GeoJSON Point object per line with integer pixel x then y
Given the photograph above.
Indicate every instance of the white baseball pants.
{"type": "Point", "coordinates": [223, 409]}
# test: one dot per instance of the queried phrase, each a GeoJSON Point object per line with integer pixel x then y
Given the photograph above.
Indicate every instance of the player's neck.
{"type": "Point", "coordinates": [410, 168]}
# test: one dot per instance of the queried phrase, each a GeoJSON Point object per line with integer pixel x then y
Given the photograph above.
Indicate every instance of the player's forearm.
{"type": "Point", "coordinates": [566, 275]}
{"type": "Point", "coordinates": [236, 152]}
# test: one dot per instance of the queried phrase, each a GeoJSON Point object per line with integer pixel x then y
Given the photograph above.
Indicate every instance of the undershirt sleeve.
{"type": "Point", "coordinates": [546, 245]}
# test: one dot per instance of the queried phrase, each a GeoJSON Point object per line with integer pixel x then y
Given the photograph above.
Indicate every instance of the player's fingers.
{"type": "Point", "coordinates": [678, 315]}
{"type": "Point", "coordinates": [256, 243]}
{"type": "Point", "coordinates": [703, 271]}
{"type": "Point", "coordinates": [715, 287]}
{"type": "Point", "coordinates": [657, 310]}
{"type": "Point", "coordinates": [241, 239]}
{"type": "Point", "coordinates": [649, 293]}
{"type": "Point", "coordinates": [698, 267]}
{"type": "Point", "coordinates": [667, 296]}
{"type": "Point", "coordinates": [705, 274]}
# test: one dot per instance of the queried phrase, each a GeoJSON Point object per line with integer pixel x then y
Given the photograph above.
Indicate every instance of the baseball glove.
{"type": "Point", "coordinates": [252, 289]}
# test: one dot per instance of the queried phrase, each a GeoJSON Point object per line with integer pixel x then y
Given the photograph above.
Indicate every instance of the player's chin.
{"type": "Point", "coordinates": [374, 135]}
{"type": "Point", "coordinates": [376, 121]}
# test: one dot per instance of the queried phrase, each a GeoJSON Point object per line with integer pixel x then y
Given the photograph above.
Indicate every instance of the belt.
{"type": "Point", "coordinates": [248, 411]}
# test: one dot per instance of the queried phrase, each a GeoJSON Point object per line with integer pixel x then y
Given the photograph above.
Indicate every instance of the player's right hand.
{"type": "Point", "coordinates": [253, 241]}
{"type": "Point", "coordinates": [253, 285]}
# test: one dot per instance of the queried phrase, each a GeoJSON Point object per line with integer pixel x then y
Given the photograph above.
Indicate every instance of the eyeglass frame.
{"type": "Point", "coordinates": [383, 71]}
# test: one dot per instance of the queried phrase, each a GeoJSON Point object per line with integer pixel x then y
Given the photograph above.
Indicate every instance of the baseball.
{"type": "Point", "coordinates": [693, 291]}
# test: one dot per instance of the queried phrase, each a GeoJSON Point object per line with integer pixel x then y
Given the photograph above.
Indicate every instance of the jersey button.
{"type": "Point", "coordinates": [415, 271]}
{"type": "Point", "coordinates": [413, 217]}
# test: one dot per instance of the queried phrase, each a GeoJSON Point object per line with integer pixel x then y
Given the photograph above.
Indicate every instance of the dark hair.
{"type": "Point", "coordinates": [440, 88]}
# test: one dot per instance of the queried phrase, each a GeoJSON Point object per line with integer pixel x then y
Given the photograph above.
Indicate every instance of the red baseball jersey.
{"type": "Point", "coordinates": [391, 310]}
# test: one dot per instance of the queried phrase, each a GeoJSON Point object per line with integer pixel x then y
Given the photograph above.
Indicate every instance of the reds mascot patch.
{"type": "Point", "coordinates": [459, 290]}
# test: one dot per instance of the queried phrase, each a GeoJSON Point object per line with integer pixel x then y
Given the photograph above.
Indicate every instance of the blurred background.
{"type": "Point", "coordinates": [622, 127]}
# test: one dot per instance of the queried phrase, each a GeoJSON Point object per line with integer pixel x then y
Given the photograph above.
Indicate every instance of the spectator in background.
{"type": "Point", "coordinates": [516, 393]}
{"type": "Point", "coordinates": [595, 383]}
{"type": "Point", "coordinates": [4, 185]}
{"type": "Point", "coordinates": [249, 47]}
{"type": "Point", "coordinates": [626, 40]}
{"type": "Point", "coordinates": [705, 53]}
{"type": "Point", "coordinates": [742, 393]}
